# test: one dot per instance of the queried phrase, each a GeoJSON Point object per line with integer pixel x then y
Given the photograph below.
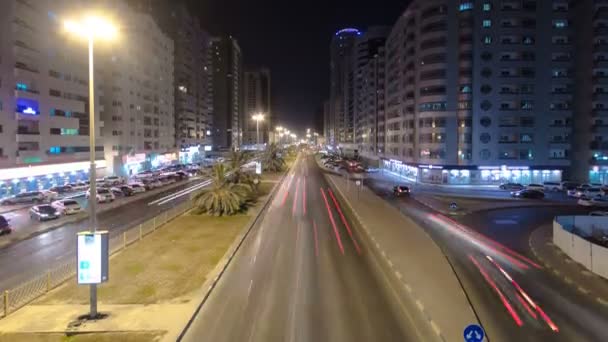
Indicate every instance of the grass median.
{"type": "Point", "coordinates": [83, 337]}
{"type": "Point", "coordinates": [167, 266]}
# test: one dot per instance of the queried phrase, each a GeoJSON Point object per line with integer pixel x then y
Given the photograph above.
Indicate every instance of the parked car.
{"type": "Point", "coordinates": [137, 187]}
{"type": "Point", "coordinates": [552, 186]}
{"type": "Point", "coordinates": [116, 192]}
{"type": "Point", "coordinates": [511, 186]}
{"type": "Point", "coordinates": [62, 189]}
{"type": "Point", "coordinates": [588, 193]}
{"type": "Point", "coordinates": [112, 180]}
{"type": "Point", "coordinates": [182, 174]}
{"type": "Point", "coordinates": [49, 196]}
{"type": "Point", "coordinates": [67, 206]}
{"type": "Point", "coordinates": [151, 183]}
{"type": "Point", "coordinates": [126, 190]}
{"type": "Point", "coordinates": [538, 187]}
{"type": "Point", "coordinates": [401, 190]}
{"type": "Point", "coordinates": [25, 197]}
{"type": "Point", "coordinates": [5, 227]}
{"type": "Point", "coordinates": [43, 212]}
{"type": "Point", "coordinates": [598, 213]}
{"type": "Point", "coordinates": [528, 193]}
{"type": "Point", "coordinates": [597, 201]}
{"type": "Point", "coordinates": [565, 186]}
{"type": "Point", "coordinates": [79, 186]}
{"type": "Point", "coordinates": [104, 195]}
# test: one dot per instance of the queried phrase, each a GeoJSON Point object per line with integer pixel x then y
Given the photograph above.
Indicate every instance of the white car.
{"type": "Point", "coordinates": [112, 180]}
{"type": "Point", "coordinates": [597, 201]}
{"type": "Point", "coordinates": [49, 196]}
{"type": "Point", "coordinates": [67, 206]}
{"type": "Point", "coordinates": [588, 193]}
{"type": "Point", "coordinates": [103, 195]}
{"type": "Point", "coordinates": [137, 187]}
{"type": "Point", "coordinates": [538, 187]}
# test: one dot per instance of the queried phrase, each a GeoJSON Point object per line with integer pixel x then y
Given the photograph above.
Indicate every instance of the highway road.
{"type": "Point", "coordinates": [514, 297]}
{"type": "Point", "coordinates": [23, 260]}
{"type": "Point", "coordinates": [302, 275]}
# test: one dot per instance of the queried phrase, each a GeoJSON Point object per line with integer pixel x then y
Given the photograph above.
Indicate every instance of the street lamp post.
{"type": "Point", "coordinates": [258, 117]}
{"type": "Point", "coordinates": [91, 28]}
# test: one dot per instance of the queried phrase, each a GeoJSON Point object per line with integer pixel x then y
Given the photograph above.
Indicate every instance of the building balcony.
{"type": "Point", "coordinates": [600, 96]}
{"type": "Point", "coordinates": [27, 132]}
{"type": "Point", "coordinates": [26, 67]}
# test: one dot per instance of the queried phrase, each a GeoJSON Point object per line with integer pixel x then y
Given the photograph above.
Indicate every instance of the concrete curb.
{"type": "Point", "coordinates": [215, 275]}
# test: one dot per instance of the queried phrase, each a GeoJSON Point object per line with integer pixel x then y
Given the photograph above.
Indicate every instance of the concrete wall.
{"type": "Point", "coordinates": [593, 257]}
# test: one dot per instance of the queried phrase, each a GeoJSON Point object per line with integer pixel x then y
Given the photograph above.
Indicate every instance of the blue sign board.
{"type": "Point", "coordinates": [473, 333]}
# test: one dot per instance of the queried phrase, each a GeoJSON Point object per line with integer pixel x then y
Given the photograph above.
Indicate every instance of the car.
{"type": "Point", "coordinates": [533, 186]}
{"type": "Point", "coordinates": [25, 197]}
{"type": "Point", "coordinates": [43, 212]}
{"type": "Point", "coordinates": [574, 192]}
{"type": "Point", "coordinates": [511, 186]}
{"type": "Point", "coordinates": [5, 227]}
{"type": "Point", "coordinates": [401, 190]}
{"type": "Point", "coordinates": [598, 213]}
{"type": "Point", "coordinates": [566, 185]}
{"type": "Point", "coordinates": [67, 206]}
{"type": "Point", "coordinates": [588, 192]}
{"type": "Point", "coordinates": [137, 187]}
{"type": "Point", "coordinates": [151, 183]}
{"type": "Point", "coordinates": [49, 196]}
{"type": "Point", "coordinates": [117, 192]}
{"type": "Point", "coordinates": [62, 189]}
{"type": "Point", "coordinates": [112, 180]}
{"type": "Point", "coordinates": [182, 175]}
{"type": "Point", "coordinates": [552, 186]}
{"type": "Point", "coordinates": [126, 190]}
{"type": "Point", "coordinates": [103, 195]}
{"type": "Point", "coordinates": [528, 193]}
{"type": "Point", "coordinates": [597, 201]}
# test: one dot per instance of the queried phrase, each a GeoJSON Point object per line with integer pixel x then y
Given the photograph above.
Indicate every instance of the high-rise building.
{"type": "Point", "coordinates": [480, 92]}
{"type": "Point", "coordinates": [227, 92]}
{"type": "Point", "coordinates": [44, 98]}
{"type": "Point", "coordinates": [342, 88]}
{"type": "Point", "coordinates": [192, 73]}
{"type": "Point", "coordinates": [369, 89]}
{"type": "Point", "coordinates": [257, 99]}
{"type": "Point", "coordinates": [589, 157]}
{"type": "Point", "coordinates": [138, 101]}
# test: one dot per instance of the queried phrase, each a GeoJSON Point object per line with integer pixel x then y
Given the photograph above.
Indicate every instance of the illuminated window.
{"type": "Point", "coordinates": [69, 131]}
{"type": "Point", "coordinates": [560, 23]}
{"type": "Point", "coordinates": [55, 150]}
{"type": "Point", "coordinates": [487, 40]}
{"type": "Point", "coordinates": [487, 7]}
{"type": "Point", "coordinates": [487, 23]}
{"type": "Point", "coordinates": [21, 86]}
{"type": "Point", "coordinates": [467, 6]}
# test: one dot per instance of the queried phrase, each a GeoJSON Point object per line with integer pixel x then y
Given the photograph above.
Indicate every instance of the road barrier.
{"type": "Point", "coordinates": [30, 290]}
{"type": "Point", "coordinates": [571, 234]}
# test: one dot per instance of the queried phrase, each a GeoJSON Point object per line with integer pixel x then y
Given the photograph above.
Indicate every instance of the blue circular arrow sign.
{"type": "Point", "coordinates": [473, 333]}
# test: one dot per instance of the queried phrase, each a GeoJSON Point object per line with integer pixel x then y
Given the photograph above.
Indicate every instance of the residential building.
{"type": "Point", "coordinates": [590, 129]}
{"type": "Point", "coordinates": [193, 86]}
{"type": "Point", "coordinates": [369, 72]}
{"type": "Point", "coordinates": [342, 88]}
{"type": "Point", "coordinates": [138, 101]}
{"type": "Point", "coordinates": [257, 100]}
{"type": "Point", "coordinates": [326, 119]}
{"type": "Point", "coordinates": [44, 98]}
{"type": "Point", "coordinates": [480, 92]}
{"type": "Point", "coordinates": [228, 114]}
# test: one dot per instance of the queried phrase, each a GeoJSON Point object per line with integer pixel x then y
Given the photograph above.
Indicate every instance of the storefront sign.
{"type": "Point", "coordinates": [134, 159]}
{"type": "Point", "coordinates": [92, 253]}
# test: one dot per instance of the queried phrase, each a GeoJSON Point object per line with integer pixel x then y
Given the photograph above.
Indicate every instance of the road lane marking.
{"type": "Point", "coordinates": [304, 196]}
{"type": "Point", "coordinates": [314, 226]}
{"type": "Point", "coordinates": [295, 198]}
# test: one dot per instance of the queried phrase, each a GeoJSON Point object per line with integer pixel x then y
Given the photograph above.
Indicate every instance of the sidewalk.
{"type": "Point", "coordinates": [562, 266]}
{"type": "Point", "coordinates": [412, 258]}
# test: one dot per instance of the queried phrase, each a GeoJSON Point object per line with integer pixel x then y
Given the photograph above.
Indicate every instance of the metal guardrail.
{"type": "Point", "coordinates": [30, 290]}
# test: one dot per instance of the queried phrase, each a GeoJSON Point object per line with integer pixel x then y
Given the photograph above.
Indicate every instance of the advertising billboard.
{"type": "Point", "coordinates": [92, 257]}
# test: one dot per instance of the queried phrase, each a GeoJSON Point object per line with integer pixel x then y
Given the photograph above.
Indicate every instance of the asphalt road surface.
{"type": "Point", "coordinates": [26, 259]}
{"type": "Point", "coordinates": [301, 275]}
{"type": "Point", "coordinates": [514, 297]}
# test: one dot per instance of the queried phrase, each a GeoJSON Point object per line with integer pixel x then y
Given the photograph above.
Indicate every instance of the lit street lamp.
{"type": "Point", "coordinates": [258, 117]}
{"type": "Point", "coordinates": [92, 28]}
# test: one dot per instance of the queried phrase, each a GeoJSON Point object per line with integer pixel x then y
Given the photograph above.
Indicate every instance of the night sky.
{"type": "Point", "coordinates": [292, 39]}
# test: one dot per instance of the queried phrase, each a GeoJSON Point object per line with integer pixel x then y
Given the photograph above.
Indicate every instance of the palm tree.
{"type": "Point", "coordinates": [237, 160]}
{"type": "Point", "coordinates": [223, 197]}
{"type": "Point", "coordinates": [272, 161]}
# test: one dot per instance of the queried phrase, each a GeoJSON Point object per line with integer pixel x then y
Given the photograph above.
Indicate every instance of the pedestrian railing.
{"type": "Point", "coordinates": [32, 289]}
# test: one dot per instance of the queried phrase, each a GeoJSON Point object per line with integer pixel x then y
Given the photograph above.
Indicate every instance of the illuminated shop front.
{"type": "Point", "coordinates": [22, 179]}
{"type": "Point", "coordinates": [598, 174]}
{"type": "Point", "coordinates": [472, 175]}
{"type": "Point", "coordinates": [193, 154]}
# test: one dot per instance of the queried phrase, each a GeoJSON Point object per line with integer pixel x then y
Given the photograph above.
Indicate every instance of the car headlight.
{"type": "Point", "coordinates": [44, 215]}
